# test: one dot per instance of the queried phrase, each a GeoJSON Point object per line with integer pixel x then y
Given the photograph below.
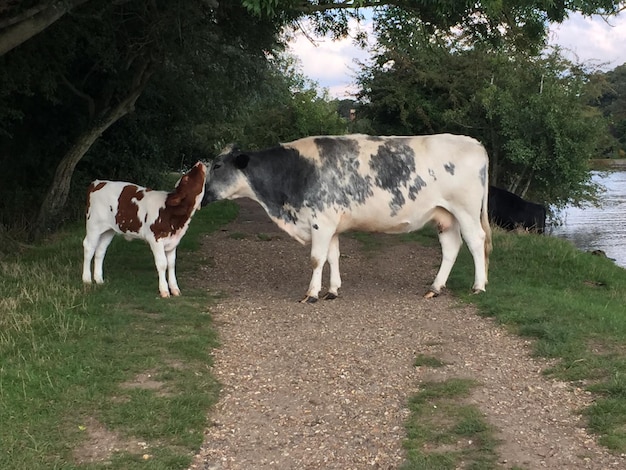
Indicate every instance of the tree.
{"type": "Point", "coordinates": [19, 22]}
{"type": "Point", "coordinates": [611, 100]}
{"type": "Point", "coordinates": [67, 86]}
{"type": "Point", "coordinates": [285, 106]}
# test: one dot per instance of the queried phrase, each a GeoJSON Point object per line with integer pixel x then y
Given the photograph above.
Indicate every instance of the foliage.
{"type": "Point", "coordinates": [204, 59]}
{"type": "Point", "coordinates": [611, 99]}
{"type": "Point", "coordinates": [285, 106]}
{"type": "Point", "coordinates": [526, 109]}
{"type": "Point", "coordinates": [520, 22]}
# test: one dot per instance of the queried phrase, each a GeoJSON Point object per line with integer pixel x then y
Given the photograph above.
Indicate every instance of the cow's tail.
{"type": "Point", "coordinates": [484, 221]}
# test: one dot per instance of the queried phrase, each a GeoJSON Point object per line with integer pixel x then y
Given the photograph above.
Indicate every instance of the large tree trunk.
{"type": "Point", "coordinates": [56, 197]}
{"type": "Point", "coordinates": [26, 24]}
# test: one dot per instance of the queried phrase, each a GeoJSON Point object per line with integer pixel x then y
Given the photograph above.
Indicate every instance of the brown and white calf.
{"type": "Point", "coordinates": [158, 217]}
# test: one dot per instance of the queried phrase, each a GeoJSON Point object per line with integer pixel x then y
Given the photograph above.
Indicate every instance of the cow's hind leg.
{"type": "Point", "coordinates": [450, 240]}
{"type": "Point", "coordinates": [333, 262]}
{"type": "Point", "coordinates": [320, 246]}
{"type": "Point", "coordinates": [475, 238]}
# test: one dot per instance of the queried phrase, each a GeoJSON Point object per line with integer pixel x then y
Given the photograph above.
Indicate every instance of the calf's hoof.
{"type": "Point", "coordinates": [330, 296]}
{"type": "Point", "coordinates": [175, 292]}
{"type": "Point", "coordinates": [308, 300]}
{"type": "Point", "coordinates": [164, 295]}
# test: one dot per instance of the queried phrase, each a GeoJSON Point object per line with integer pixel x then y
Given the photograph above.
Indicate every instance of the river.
{"type": "Point", "coordinates": [600, 228]}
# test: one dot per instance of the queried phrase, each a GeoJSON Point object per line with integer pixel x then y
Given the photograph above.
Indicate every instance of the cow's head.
{"type": "Point", "coordinates": [227, 178]}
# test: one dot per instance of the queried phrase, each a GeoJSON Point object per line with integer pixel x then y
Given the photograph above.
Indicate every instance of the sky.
{"type": "Point", "coordinates": [332, 64]}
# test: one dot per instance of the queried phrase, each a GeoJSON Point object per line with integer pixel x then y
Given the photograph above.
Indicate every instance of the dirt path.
{"type": "Point", "coordinates": [324, 386]}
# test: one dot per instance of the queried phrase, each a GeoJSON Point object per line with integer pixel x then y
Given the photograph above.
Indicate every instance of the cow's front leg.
{"type": "Point", "coordinates": [171, 272]}
{"type": "Point", "coordinates": [320, 244]}
{"type": "Point", "coordinates": [160, 261]}
{"type": "Point", "coordinates": [333, 262]}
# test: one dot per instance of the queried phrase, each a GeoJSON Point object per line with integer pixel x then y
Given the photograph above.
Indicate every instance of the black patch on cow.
{"type": "Point", "coordinates": [340, 184]}
{"type": "Point", "coordinates": [241, 160]}
{"type": "Point", "coordinates": [316, 227]}
{"type": "Point", "coordinates": [431, 172]}
{"type": "Point", "coordinates": [281, 177]}
{"type": "Point", "coordinates": [393, 165]}
{"type": "Point", "coordinates": [449, 167]}
{"type": "Point", "coordinates": [483, 175]}
{"type": "Point", "coordinates": [416, 186]}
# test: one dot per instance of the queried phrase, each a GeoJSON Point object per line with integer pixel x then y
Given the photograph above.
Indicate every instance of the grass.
{"type": "Point", "coordinates": [75, 360]}
{"type": "Point", "coordinates": [445, 433]}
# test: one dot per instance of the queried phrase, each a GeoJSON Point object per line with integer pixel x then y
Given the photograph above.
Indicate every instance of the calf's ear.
{"type": "Point", "coordinates": [173, 199]}
{"type": "Point", "coordinates": [241, 161]}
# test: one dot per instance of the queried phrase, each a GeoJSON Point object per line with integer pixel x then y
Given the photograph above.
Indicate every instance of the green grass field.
{"type": "Point", "coordinates": [104, 377]}
{"type": "Point", "coordinates": [114, 377]}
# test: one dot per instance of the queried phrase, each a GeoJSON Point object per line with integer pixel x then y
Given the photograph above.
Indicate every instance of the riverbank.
{"type": "Point", "coordinates": [604, 164]}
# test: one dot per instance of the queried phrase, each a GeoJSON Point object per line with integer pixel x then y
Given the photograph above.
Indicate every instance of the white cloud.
{"type": "Point", "coordinates": [584, 39]}
{"type": "Point", "coordinates": [332, 64]}
{"type": "Point", "coordinates": [592, 39]}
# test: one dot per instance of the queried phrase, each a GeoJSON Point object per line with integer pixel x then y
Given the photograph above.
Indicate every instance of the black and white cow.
{"type": "Point", "coordinates": [318, 187]}
{"type": "Point", "coordinates": [509, 211]}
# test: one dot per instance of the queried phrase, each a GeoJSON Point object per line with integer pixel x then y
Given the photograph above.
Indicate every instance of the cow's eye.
{"type": "Point", "coordinates": [216, 166]}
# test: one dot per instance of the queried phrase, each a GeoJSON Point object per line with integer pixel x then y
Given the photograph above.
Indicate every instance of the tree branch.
{"type": "Point", "coordinates": [31, 22]}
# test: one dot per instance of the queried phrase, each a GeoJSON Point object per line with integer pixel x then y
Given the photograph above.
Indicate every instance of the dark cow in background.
{"type": "Point", "coordinates": [318, 187]}
{"type": "Point", "coordinates": [509, 211]}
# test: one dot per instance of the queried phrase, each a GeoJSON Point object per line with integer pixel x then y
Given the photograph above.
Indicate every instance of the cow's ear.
{"type": "Point", "coordinates": [241, 161]}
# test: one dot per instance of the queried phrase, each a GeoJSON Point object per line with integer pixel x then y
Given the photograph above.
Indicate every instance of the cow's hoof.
{"type": "Point", "coordinates": [164, 295]}
{"type": "Point", "coordinates": [477, 291]}
{"type": "Point", "coordinates": [330, 296]}
{"type": "Point", "coordinates": [175, 292]}
{"type": "Point", "coordinates": [308, 300]}
{"type": "Point", "coordinates": [431, 294]}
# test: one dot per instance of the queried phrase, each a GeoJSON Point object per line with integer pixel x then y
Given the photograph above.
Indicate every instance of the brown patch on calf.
{"type": "Point", "coordinates": [180, 203]}
{"type": "Point", "coordinates": [127, 217]}
{"type": "Point", "coordinates": [92, 189]}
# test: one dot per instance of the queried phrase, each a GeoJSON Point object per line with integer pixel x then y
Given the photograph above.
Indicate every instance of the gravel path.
{"type": "Point", "coordinates": [325, 386]}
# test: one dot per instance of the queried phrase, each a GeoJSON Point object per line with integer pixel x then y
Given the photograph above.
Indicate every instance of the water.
{"type": "Point", "coordinates": [600, 228]}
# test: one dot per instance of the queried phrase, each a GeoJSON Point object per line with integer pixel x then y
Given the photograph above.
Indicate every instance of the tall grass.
{"type": "Point", "coordinates": [73, 359]}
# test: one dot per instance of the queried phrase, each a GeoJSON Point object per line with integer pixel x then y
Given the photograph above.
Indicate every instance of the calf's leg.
{"type": "Point", "coordinates": [103, 245]}
{"type": "Point", "coordinates": [171, 272]}
{"type": "Point", "coordinates": [160, 261]}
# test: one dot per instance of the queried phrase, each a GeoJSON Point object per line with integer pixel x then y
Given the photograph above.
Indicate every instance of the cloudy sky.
{"type": "Point", "coordinates": [590, 40]}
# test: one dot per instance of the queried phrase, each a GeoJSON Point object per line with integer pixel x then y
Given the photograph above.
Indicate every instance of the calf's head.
{"type": "Point", "coordinates": [189, 190]}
